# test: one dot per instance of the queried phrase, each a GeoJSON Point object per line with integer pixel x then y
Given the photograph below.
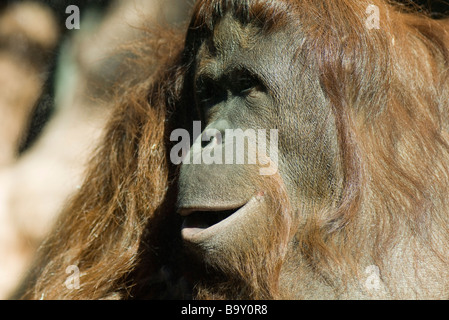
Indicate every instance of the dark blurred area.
{"type": "Point", "coordinates": [437, 8]}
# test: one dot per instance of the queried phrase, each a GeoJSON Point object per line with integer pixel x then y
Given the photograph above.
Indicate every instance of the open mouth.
{"type": "Point", "coordinates": [202, 222]}
{"type": "Point", "coordinates": [206, 219]}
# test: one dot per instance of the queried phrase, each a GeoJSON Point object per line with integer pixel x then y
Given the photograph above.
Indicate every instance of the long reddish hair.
{"type": "Point", "coordinates": [388, 90]}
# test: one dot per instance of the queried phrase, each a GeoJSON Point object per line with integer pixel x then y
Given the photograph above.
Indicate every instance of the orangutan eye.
{"type": "Point", "coordinates": [246, 83]}
{"type": "Point", "coordinates": [209, 92]}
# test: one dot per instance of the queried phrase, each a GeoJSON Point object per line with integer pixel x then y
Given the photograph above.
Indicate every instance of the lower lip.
{"type": "Point", "coordinates": [190, 233]}
{"type": "Point", "coordinates": [196, 235]}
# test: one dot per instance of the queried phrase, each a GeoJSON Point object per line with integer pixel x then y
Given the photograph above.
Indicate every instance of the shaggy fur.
{"type": "Point", "coordinates": [388, 89]}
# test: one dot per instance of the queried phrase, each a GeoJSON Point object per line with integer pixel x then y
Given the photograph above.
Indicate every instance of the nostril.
{"type": "Point", "coordinates": [219, 137]}
{"type": "Point", "coordinates": [204, 144]}
{"type": "Point", "coordinates": [211, 137]}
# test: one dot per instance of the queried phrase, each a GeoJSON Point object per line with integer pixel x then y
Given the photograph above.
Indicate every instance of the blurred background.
{"type": "Point", "coordinates": [56, 92]}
